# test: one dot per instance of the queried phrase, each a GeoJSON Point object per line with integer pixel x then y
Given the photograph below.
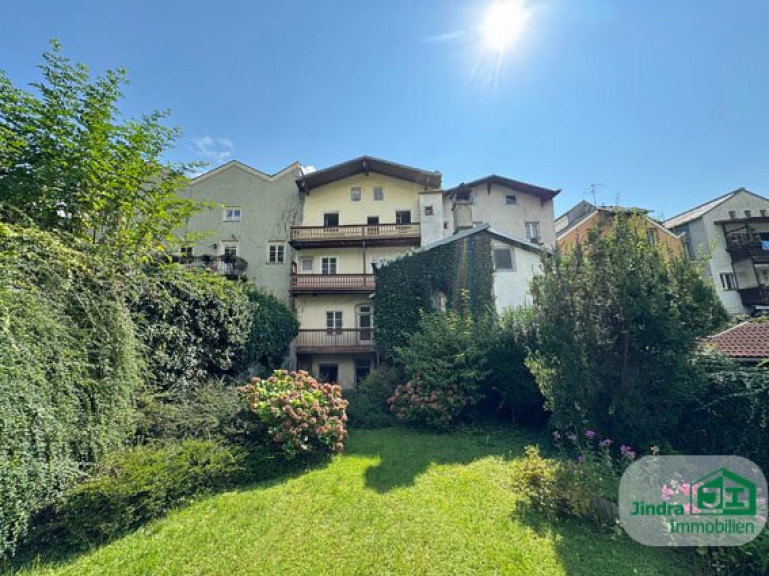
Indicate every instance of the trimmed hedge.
{"type": "Point", "coordinates": [68, 372]}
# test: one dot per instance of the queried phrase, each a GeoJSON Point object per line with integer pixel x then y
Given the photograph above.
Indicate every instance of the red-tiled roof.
{"type": "Point", "coordinates": [746, 340]}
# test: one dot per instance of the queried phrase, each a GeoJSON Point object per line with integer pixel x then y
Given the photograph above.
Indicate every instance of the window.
{"type": "Point", "coordinates": [305, 265]}
{"type": "Point", "coordinates": [510, 199]}
{"type": "Point", "coordinates": [334, 320]}
{"type": "Point", "coordinates": [365, 322]}
{"type": "Point", "coordinates": [372, 220]}
{"type": "Point", "coordinates": [429, 211]}
{"type": "Point", "coordinates": [276, 253]}
{"type": "Point", "coordinates": [532, 231]}
{"type": "Point", "coordinates": [651, 235]}
{"type": "Point", "coordinates": [728, 281]}
{"type": "Point", "coordinates": [232, 214]}
{"type": "Point", "coordinates": [464, 195]}
{"type": "Point", "coordinates": [186, 252]}
{"type": "Point", "coordinates": [503, 259]}
{"type": "Point", "coordinates": [331, 219]}
{"type": "Point", "coordinates": [230, 250]}
{"type": "Point", "coordinates": [747, 213]}
{"type": "Point", "coordinates": [762, 212]}
{"type": "Point", "coordinates": [355, 194]}
{"type": "Point", "coordinates": [732, 214]}
{"type": "Point", "coordinates": [328, 373]}
{"type": "Point", "coordinates": [362, 369]}
{"type": "Point", "coordinates": [378, 193]}
{"type": "Point", "coordinates": [328, 265]}
{"type": "Point", "coordinates": [403, 217]}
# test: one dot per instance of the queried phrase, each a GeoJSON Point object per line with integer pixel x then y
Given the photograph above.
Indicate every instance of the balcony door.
{"type": "Point", "coordinates": [365, 323]}
{"type": "Point", "coordinates": [331, 219]}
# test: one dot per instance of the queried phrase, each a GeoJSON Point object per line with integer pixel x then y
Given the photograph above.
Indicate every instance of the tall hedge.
{"type": "Point", "coordinates": [68, 371]}
{"type": "Point", "coordinates": [409, 285]}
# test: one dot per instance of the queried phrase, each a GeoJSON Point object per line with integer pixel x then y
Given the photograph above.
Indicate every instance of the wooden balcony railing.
{"type": "Point", "coordinates": [743, 250]}
{"type": "Point", "coordinates": [340, 340]}
{"type": "Point", "coordinates": [755, 296]}
{"type": "Point", "coordinates": [332, 282]}
{"type": "Point", "coordinates": [231, 266]}
{"type": "Point", "coordinates": [355, 233]}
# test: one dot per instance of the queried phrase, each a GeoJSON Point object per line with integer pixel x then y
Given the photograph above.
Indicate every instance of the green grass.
{"type": "Point", "coordinates": [397, 502]}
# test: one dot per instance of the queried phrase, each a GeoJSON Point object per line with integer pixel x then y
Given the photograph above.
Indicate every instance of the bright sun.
{"type": "Point", "coordinates": [503, 24]}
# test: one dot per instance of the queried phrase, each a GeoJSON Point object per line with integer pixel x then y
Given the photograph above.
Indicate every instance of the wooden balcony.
{"type": "Point", "coordinates": [335, 283]}
{"type": "Point", "coordinates": [341, 236]}
{"type": "Point", "coordinates": [346, 340]}
{"type": "Point", "coordinates": [230, 266]}
{"type": "Point", "coordinates": [755, 296]}
{"type": "Point", "coordinates": [748, 250]}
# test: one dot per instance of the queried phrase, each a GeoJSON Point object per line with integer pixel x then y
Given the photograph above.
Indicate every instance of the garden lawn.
{"type": "Point", "coordinates": [396, 502]}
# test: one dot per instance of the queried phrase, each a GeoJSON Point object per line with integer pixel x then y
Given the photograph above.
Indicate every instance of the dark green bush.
{"type": "Point", "coordinates": [136, 485]}
{"type": "Point", "coordinates": [68, 371]}
{"type": "Point", "coordinates": [193, 325]}
{"type": "Point", "coordinates": [273, 329]}
{"type": "Point", "coordinates": [731, 413]}
{"type": "Point", "coordinates": [364, 412]}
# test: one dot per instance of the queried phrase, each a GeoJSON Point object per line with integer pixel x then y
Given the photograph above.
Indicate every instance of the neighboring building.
{"type": "Point", "coordinates": [355, 215]}
{"type": "Point", "coordinates": [747, 342]}
{"type": "Point", "coordinates": [732, 233]}
{"type": "Point", "coordinates": [511, 207]}
{"type": "Point", "coordinates": [574, 226]}
{"type": "Point", "coordinates": [244, 234]}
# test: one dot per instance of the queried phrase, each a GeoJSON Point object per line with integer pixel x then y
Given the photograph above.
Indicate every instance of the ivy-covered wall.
{"type": "Point", "coordinates": [409, 285]}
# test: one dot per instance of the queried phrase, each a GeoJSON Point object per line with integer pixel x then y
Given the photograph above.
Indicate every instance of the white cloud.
{"type": "Point", "coordinates": [213, 149]}
{"type": "Point", "coordinates": [309, 169]}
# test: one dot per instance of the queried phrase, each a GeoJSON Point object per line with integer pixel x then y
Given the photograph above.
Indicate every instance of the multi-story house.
{"type": "Point", "coordinates": [574, 226]}
{"type": "Point", "coordinates": [520, 210]}
{"type": "Point", "coordinates": [243, 230]}
{"type": "Point", "coordinates": [731, 233]}
{"type": "Point", "coordinates": [355, 215]}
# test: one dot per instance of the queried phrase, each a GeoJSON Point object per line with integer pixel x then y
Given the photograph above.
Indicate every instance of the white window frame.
{"type": "Point", "coordinates": [530, 227]}
{"type": "Point", "coordinates": [304, 270]}
{"type": "Point", "coordinates": [728, 281]}
{"type": "Point", "coordinates": [278, 256]}
{"type": "Point", "coordinates": [226, 245]}
{"type": "Point", "coordinates": [232, 214]}
{"type": "Point", "coordinates": [378, 191]}
{"type": "Point", "coordinates": [325, 263]}
{"type": "Point", "coordinates": [510, 251]}
{"type": "Point", "coordinates": [187, 251]}
{"type": "Point", "coordinates": [355, 194]}
{"type": "Point", "coordinates": [334, 320]}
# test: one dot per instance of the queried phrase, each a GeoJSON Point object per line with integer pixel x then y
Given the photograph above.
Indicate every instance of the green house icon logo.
{"type": "Point", "coordinates": [723, 493]}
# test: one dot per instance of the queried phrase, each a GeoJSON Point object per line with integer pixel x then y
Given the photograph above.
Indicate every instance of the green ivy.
{"type": "Point", "coordinates": [407, 287]}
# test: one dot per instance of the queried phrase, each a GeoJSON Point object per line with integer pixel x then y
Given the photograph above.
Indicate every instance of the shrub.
{"type": "Point", "coordinates": [364, 412]}
{"type": "Point", "coordinates": [136, 485]}
{"type": "Point", "coordinates": [273, 329]}
{"type": "Point", "coordinates": [192, 324]}
{"type": "Point", "coordinates": [445, 367]}
{"type": "Point", "coordinates": [617, 323]}
{"type": "Point", "coordinates": [731, 413]}
{"type": "Point", "coordinates": [513, 389]}
{"type": "Point", "coordinates": [209, 410]}
{"type": "Point", "coordinates": [68, 371]}
{"type": "Point", "coordinates": [300, 414]}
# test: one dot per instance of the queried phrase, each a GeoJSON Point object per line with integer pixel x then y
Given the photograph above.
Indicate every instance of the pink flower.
{"type": "Point", "coordinates": [605, 443]}
{"type": "Point", "coordinates": [684, 488]}
{"type": "Point", "coordinates": [580, 459]}
{"type": "Point", "coordinates": [667, 492]}
{"type": "Point", "coordinates": [589, 434]}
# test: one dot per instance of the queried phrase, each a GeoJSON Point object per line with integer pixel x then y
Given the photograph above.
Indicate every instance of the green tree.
{"type": "Point", "coordinates": [617, 323]}
{"type": "Point", "coordinates": [68, 162]}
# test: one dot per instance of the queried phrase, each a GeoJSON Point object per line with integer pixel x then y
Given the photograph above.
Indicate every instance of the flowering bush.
{"type": "Point", "coordinates": [582, 484]}
{"type": "Point", "coordinates": [417, 401]}
{"type": "Point", "coordinates": [299, 413]}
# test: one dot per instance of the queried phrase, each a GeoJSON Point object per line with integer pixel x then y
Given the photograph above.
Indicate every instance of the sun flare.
{"type": "Point", "coordinates": [503, 24]}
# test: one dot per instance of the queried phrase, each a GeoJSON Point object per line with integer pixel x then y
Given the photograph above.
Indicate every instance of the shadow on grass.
{"type": "Point", "coordinates": [405, 453]}
{"type": "Point", "coordinates": [51, 544]}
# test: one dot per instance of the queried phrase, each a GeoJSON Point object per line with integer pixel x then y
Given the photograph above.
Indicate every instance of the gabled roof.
{"type": "Point", "coordinates": [544, 194]}
{"type": "Point", "coordinates": [584, 210]}
{"type": "Point", "coordinates": [749, 340]}
{"type": "Point", "coordinates": [699, 211]}
{"type": "Point", "coordinates": [366, 164]}
{"type": "Point", "coordinates": [526, 245]}
{"type": "Point", "coordinates": [248, 169]}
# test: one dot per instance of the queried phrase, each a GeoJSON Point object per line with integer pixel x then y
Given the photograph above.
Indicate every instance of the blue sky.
{"type": "Point", "coordinates": [660, 104]}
